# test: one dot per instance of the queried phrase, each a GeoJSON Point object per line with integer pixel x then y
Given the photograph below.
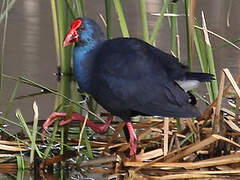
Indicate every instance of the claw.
{"type": "Point", "coordinates": [50, 120]}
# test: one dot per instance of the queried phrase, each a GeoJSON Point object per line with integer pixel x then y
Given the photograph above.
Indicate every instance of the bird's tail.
{"type": "Point", "coordinates": [201, 77]}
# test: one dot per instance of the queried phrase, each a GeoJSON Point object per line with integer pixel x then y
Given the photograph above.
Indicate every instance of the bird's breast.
{"type": "Point", "coordinates": [81, 68]}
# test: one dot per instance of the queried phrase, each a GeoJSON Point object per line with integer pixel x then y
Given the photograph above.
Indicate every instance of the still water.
{"type": "Point", "coordinates": [30, 48]}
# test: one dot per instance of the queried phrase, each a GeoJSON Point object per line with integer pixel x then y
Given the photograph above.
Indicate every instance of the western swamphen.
{"type": "Point", "coordinates": [128, 77]}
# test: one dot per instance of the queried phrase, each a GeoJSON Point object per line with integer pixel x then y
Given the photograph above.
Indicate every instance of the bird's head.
{"type": "Point", "coordinates": [83, 30]}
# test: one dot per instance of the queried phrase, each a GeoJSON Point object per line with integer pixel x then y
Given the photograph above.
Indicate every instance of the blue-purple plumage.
{"type": "Point", "coordinates": [129, 77]}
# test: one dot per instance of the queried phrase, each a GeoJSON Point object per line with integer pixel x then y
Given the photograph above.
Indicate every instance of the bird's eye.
{"type": "Point", "coordinates": [82, 27]}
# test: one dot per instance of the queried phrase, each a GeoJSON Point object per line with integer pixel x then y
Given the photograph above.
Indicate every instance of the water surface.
{"type": "Point", "coordinates": [30, 48]}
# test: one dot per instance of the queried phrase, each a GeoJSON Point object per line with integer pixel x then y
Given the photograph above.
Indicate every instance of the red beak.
{"type": "Point", "coordinates": [69, 39]}
{"type": "Point", "coordinates": [72, 35]}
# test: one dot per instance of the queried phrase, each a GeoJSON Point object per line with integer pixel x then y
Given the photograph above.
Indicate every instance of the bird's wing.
{"type": "Point", "coordinates": [132, 73]}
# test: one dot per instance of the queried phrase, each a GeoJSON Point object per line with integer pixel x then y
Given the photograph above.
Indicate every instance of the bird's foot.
{"type": "Point", "coordinates": [132, 140]}
{"type": "Point", "coordinates": [98, 128]}
{"type": "Point", "coordinates": [50, 120]}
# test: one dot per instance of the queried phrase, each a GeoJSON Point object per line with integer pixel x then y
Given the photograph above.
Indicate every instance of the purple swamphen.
{"type": "Point", "coordinates": [128, 77]}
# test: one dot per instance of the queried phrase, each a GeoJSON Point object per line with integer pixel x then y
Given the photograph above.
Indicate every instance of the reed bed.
{"type": "Point", "coordinates": [163, 151]}
{"type": "Point", "coordinates": [206, 147]}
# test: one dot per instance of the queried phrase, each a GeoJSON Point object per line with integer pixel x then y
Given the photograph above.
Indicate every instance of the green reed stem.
{"type": "Point", "coordinates": [78, 6]}
{"type": "Point", "coordinates": [188, 32]}
{"type": "Point", "coordinates": [24, 125]}
{"type": "Point", "coordinates": [62, 22]}
{"type": "Point", "coordinates": [20, 162]}
{"type": "Point", "coordinates": [3, 46]}
{"type": "Point", "coordinates": [159, 22]}
{"type": "Point", "coordinates": [64, 17]}
{"type": "Point", "coordinates": [51, 140]}
{"type": "Point", "coordinates": [8, 7]}
{"type": "Point", "coordinates": [34, 132]}
{"type": "Point", "coordinates": [108, 10]}
{"type": "Point", "coordinates": [21, 174]}
{"type": "Point", "coordinates": [174, 46]}
{"type": "Point", "coordinates": [3, 5]}
{"type": "Point", "coordinates": [179, 127]}
{"type": "Point", "coordinates": [121, 18]}
{"type": "Point", "coordinates": [174, 29]}
{"type": "Point", "coordinates": [11, 100]}
{"type": "Point", "coordinates": [201, 52]}
{"type": "Point", "coordinates": [62, 149]}
{"type": "Point", "coordinates": [73, 13]}
{"type": "Point", "coordinates": [88, 145]}
{"type": "Point", "coordinates": [210, 59]}
{"type": "Point", "coordinates": [214, 84]}
{"type": "Point", "coordinates": [222, 38]}
{"type": "Point", "coordinates": [188, 138]}
{"type": "Point", "coordinates": [56, 31]}
{"type": "Point", "coordinates": [143, 13]}
{"type": "Point", "coordinates": [81, 7]}
{"type": "Point", "coordinates": [226, 44]}
{"type": "Point", "coordinates": [65, 89]}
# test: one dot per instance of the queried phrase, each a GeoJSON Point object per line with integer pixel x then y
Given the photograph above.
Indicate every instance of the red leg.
{"type": "Point", "coordinates": [98, 128]}
{"type": "Point", "coordinates": [132, 139]}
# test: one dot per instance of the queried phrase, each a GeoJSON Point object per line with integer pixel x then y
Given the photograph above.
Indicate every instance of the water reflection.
{"type": "Point", "coordinates": [30, 52]}
{"type": "Point", "coordinates": [153, 6]}
{"type": "Point", "coordinates": [31, 36]}
{"type": "Point", "coordinates": [30, 49]}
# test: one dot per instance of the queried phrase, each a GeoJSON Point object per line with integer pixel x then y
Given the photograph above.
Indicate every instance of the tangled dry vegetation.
{"type": "Point", "coordinates": [205, 148]}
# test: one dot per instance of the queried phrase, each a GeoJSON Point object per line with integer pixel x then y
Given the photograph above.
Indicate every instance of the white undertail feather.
{"type": "Point", "coordinates": [189, 84]}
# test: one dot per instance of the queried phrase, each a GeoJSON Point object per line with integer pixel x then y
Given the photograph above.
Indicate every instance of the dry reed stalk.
{"type": "Point", "coordinates": [193, 128]}
{"type": "Point", "coordinates": [166, 129]}
{"type": "Point", "coordinates": [232, 81]}
{"type": "Point", "coordinates": [223, 160]}
{"type": "Point", "coordinates": [12, 148]}
{"type": "Point", "coordinates": [149, 155]}
{"type": "Point", "coordinates": [115, 134]}
{"type": "Point", "coordinates": [216, 124]}
{"type": "Point", "coordinates": [207, 113]}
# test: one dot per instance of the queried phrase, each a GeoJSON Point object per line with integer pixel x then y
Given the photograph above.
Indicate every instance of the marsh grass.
{"type": "Point", "coordinates": [63, 12]}
{"type": "Point", "coordinates": [68, 10]}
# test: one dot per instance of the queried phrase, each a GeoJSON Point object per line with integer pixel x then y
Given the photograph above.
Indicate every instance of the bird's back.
{"type": "Point", "coordinates": [131, 77]}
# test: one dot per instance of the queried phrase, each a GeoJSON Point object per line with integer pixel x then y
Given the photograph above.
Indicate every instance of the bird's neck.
{"type": "Point", "coordinates": [83, 58]}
